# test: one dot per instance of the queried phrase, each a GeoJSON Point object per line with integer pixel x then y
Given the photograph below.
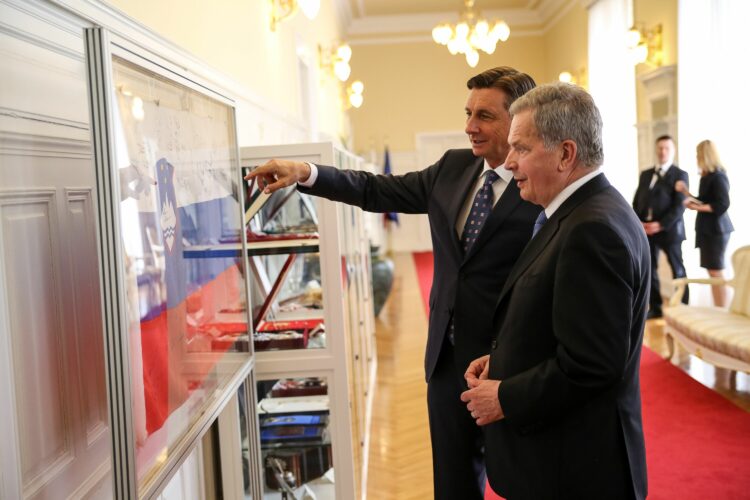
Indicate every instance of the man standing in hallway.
{"type": "Point", "coordinates": [559, 393]}
{"type": "Point", "coordinates": [479, 226]}
{"type": "Point", "coordinates": [660, 208]}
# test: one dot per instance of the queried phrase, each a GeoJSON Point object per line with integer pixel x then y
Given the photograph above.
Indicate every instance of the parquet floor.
{"type": "Point", "coordinates": [400, 462]}
{"type": "Point", "coordinates": [400, 465]}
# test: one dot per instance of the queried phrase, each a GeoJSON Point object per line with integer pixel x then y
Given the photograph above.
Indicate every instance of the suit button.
{"type": "Point", "coordinates": [494, 345]}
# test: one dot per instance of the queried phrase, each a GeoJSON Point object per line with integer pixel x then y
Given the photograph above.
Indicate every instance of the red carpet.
{"type": "Point", "coordinates": [697, 442]}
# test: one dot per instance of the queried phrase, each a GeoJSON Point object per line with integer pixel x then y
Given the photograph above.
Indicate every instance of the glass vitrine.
{"type": "Point", "coordinates": [176, 310]}
{"type": "Point", "coordinates": [318, 292]}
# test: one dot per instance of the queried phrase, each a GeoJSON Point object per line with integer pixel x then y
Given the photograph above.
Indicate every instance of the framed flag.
{"type": "Point", "coordinates": [177, 326]}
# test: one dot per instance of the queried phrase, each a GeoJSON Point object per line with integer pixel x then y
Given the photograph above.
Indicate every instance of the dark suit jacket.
{"type": "Point", "coordinates": [466, 286]}
{"type": "Point", "coordinates": [570, 322]}
{"type": "Point", "coordinates": [664, 203]}
{"type": "Point", "coordinates": [714, 190]}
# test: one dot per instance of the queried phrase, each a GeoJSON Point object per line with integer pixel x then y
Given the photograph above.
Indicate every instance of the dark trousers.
{"type": "Point", "coordinates": [457, 442]}
{"type": "Point", "coordinates": [673, 252]}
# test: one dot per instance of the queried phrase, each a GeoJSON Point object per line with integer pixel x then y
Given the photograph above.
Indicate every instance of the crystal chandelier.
{"type": "Point", "coordinates": [471, 34]}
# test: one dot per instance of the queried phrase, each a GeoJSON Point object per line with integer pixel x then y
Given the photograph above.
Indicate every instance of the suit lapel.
{"type": "Point", "coordinates": [550, 229]}
{"type": "Point", "coordinates": [508, 202]}
{"type": "Point", "coordinates": [455, 203]}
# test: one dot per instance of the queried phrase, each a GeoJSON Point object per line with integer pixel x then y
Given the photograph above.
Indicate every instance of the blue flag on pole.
{"type": "Point", "coordinates": [388, 216]}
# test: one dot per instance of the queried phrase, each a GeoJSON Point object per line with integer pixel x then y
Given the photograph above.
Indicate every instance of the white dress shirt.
{"type": "Point", "coordinates": [567, 192]}
{"type": "Point", "coordinates": [659, 172]}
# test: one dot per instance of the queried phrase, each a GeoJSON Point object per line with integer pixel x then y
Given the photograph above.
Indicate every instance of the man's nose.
{"type": "Point", "coordinates": [510, 161]}
{"type": "Point", "coordinates": [471, 127]}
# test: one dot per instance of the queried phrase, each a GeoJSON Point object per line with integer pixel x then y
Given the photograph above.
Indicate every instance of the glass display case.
{"type": "Point", "coordinates": [175, 311]}
{"type": "Point", "coordinates": [313, 335]}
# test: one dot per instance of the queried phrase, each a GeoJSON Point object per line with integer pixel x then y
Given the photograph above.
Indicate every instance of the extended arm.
{"type": "Point", "coordinates": [407, 193]}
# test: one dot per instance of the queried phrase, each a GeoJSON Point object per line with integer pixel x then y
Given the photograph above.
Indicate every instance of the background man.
{"type": "Point", "coordinates": [474, 243]}
{"type": "Point", "coordinates": [559, 393]}
{"type": "Point", "coordinates": [660, 207]}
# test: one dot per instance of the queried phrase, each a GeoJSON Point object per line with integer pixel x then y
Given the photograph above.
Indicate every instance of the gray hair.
{"type": "Point", "coordinates": [562, 111]}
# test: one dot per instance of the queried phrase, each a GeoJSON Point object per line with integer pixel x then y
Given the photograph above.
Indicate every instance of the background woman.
{"type": "Point", "coordinates": [712, 224]}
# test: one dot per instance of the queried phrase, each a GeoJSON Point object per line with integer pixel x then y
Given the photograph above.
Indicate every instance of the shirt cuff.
{"type": "Point", "coordinates": [313, 177]}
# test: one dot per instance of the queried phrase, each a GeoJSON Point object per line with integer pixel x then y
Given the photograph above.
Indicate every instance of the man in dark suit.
{"type": "Point", "coordinates": [660, 208]}
{"type": "Point", "coordinates": [559, 394]}
{"type": "Point", "coordinates": [474, 244]}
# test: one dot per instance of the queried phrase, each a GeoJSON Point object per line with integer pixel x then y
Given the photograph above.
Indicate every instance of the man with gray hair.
{"type": "Point", "coordinates": [559, 394]}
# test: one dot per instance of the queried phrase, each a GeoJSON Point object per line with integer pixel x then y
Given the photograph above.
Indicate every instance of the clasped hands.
{"type": "Point", "coordinates": [277, 174]}
{"type": "Point", "coordinates": [482, 398]}
{"type": "Point", "coordinates": [651, 227]}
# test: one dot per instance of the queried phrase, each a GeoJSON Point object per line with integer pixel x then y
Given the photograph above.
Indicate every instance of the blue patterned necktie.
{"type": "Point", "coordinates": [539, 222]}
{"type": "Point", "coordinates": [480, 209]}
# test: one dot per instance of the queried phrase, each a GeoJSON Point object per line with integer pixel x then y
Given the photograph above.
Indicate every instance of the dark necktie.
{"type": "Point", "coordinates": [539, 222]}
{"type": "Point", "coordinates": [658, 174]}
{"type": "Point", "coordinates": [480, 209]}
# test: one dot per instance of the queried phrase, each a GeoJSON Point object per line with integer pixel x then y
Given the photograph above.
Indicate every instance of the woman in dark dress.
{"type": "Point", "coordinates": [712, 224]}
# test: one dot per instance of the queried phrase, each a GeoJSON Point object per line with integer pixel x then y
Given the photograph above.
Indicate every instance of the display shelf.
{"type": "Point", "coordinates": [231, 250]}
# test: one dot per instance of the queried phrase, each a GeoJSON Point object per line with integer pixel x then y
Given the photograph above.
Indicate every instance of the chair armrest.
{"type": "Point", "coordinates": [681, 283]}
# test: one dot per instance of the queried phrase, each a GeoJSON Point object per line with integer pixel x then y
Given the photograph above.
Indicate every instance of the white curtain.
{"type": "Point", "coordinates": [713, 103]}
{"type": "Point", "coordinates": [612, 84]}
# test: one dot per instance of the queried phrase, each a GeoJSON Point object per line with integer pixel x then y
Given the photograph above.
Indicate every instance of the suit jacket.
{"type": "Point", "coordinates": [662, 203]}
{"type": "Point", "coordinates": [714, 190]}
{"type": "Point", "coordinates": [570, 324]}
{"type": "Point", "coordinates": [464, 286]}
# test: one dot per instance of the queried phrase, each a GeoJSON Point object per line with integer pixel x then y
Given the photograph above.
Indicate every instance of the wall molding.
{"type": "Point", "coordinates": [43, 146]}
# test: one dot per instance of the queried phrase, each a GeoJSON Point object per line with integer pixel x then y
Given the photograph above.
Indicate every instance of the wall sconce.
{"type": "Point", "coordinates": [354, 93]}
{"type": "Point", "coordinates": [576, 78]}
{"type": "Point", "coordinates": [336, 60]}
{"type": "Point", "coordinates": [283, 9]}
{"type": "Point", "coordinates": [645, 44]}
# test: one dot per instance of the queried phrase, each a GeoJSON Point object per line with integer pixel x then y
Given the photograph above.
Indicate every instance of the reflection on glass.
{"type": "Point", "coordinates": [246, 416]}
{"type": "Point", "coordinates": [176, 155]}
{"type": "Point", "coordinates": [289, 314]}
{"type": "Point", "coordinates": [287, 211]}
{"type": "Point", "coordinates": [295, 437]}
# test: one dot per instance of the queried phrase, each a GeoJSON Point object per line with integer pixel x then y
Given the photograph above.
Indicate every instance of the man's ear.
{"type": "Point", "coordinates": [568, 155]}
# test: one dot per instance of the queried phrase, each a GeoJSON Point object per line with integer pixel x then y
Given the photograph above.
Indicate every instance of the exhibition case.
{"type": "Point", "coordinates": [313, 333]}
{"type": "Point", "coordinates": [175, 318]}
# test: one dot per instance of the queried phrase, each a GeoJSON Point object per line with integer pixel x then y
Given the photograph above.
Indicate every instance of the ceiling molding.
{"type": "Point", "coordinates": [549, 9]}
{"type": "Point", "coordinates": [549, 23]}
{"type": "Point", "coordinates": [374, 25]}
{"type": "Point", "coordinates": [538, 17]}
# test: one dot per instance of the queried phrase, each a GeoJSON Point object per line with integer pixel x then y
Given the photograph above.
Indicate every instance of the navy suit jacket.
{"type": "Point", "coordinates": [570, 326]}
{"type": "Point", "coordinates": [663, 203]}
{"type": "Point", "coordinates": [714, 190]}
{"type": "Point", "coordinates": [464, 286]}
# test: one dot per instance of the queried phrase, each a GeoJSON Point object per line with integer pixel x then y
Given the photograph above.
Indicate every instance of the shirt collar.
{"type": "Point", "coordinates": [665, 167]}
{"type": "Point", "coordinates": [568, 191]}
{"type": "Point", "coordinates": [500, 170]}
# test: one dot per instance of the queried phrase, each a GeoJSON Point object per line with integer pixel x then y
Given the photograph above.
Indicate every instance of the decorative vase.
{"type": "Point", "coordinates": [382, 278]}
